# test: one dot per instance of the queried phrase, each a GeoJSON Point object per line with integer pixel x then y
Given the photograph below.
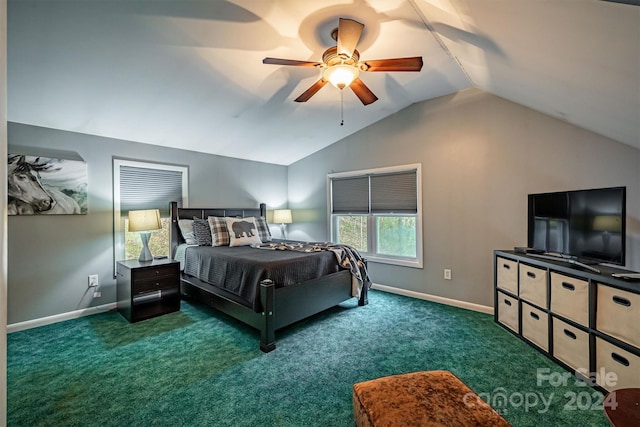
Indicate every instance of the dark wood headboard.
{"type": "Point", "coordinates": [203, 213]}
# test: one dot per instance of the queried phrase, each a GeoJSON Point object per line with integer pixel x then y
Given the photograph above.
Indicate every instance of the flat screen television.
{"type": "Point", "coordinates": [587, 225]}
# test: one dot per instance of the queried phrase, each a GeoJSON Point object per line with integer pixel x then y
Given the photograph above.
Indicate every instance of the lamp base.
{"type": "Point", "coordinates": [145, 254]}
{"type": "Point", "coordinates": [283, 230]}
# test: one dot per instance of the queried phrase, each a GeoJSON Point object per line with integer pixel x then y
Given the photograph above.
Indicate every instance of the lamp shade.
{"type": "Point", "coordinates": [282, 216]}
{"type": "Point", "coordinates": [611, 223]}
{"type": "Point", "coordinates": [145, 220]}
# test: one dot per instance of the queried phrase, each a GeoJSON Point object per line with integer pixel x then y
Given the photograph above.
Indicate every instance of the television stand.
{"type": "Point", "coordinates": [570, 260]}
{"type": "Point", "coordinates": [585, 321]}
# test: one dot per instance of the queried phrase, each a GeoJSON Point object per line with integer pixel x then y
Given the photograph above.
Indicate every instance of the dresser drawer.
{"type": "Point", "coordinates": [507, 275]}
{"type": "Point", "coordinates": [533, 285]}
{"type": "Point", "coordinates": [610, 358]}
{"type": "Point", "coordinates": [535, 326]}
{"type": "Point", "coordinates": [508, 311]}
{"type": "Point", "coordinates": [570, 298]}
{"type": "Point", "coordinates": [570, 345]}
{"type": "Point", "coordinates": [618, 314]}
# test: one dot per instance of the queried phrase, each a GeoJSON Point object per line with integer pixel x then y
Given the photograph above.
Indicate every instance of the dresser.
{"type": "Point", "coordinates": [587, 322]}
{"type": "Point", "coordinates": [147, 289]}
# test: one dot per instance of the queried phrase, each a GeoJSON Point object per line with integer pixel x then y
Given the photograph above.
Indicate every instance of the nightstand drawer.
{"type": "Point", "coordinates": [570, 345]}
{"type": "Point", "coordinates": [155, 296]}
{"type": "Point", "coordinates": [507, 275]}
{"type": "Point", "coordinates": [142, 286]}
{"type": "Point", "coordinates": [618, 314]}
{"type": "Point", "coordinates": [570, 298]}
{"type": "Point", "coordinates": [152, 273]}
{"type": "Point", "coordinates": [533, 285]}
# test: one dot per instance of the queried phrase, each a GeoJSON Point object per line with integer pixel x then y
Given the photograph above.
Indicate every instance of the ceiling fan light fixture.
{"type": "Point", "coordinates": [341, 75]}
{"type": "Point", "coordinates": [341, 64]}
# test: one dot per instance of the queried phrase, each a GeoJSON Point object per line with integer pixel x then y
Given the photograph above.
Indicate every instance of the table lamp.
{"type": "Point", "coordinates": [144, 222]}
{"type": "Point", "coordinates": [282, 216]}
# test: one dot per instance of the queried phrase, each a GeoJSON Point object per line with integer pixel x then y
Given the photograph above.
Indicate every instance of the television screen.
{"type": "Point", "coordinates": [585, 224]}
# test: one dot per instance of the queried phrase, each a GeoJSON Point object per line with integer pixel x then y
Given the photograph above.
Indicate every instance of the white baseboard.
{"type": "Point", "coordinates": [434, 298]}
{"type": "Point", "coordinates": [21, 326]}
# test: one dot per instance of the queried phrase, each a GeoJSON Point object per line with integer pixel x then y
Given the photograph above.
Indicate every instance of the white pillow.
{"type": "Point", "coordinates": [242, 231]}
{"type": "Point", "coordinates": [186, 229]}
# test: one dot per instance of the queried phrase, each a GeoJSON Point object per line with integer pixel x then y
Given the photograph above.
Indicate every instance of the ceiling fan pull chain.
{"type": "Point", "coordinates": [341, 107]}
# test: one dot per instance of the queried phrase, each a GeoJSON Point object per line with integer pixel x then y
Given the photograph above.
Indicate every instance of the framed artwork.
{"type": "Point", "coordinates": [46, 186]}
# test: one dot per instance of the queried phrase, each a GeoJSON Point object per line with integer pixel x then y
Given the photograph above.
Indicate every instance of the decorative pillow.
{"type": "Point", "coordinates": [263, 229]}
{"type": "Point", "coordinates": [243, 231]}
{"type": "Point", "coordinates": [186, 229]}
{"type": "Point", "coordinates": [219, 231]}
{"type": "Point", "coordinates": [202, 232]}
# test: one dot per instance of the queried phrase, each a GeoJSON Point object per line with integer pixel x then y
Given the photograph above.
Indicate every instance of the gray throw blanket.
{"type": "Point", "coordinates": [347, 256]}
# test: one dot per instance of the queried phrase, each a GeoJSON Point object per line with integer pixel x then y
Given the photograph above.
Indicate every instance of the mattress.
{"type": "Point", "coordinates": [239, 270]}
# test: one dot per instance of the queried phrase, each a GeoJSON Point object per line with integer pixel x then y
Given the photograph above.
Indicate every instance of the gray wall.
{"type": "Point", "coordinates": [481, 155]}
{"type": "Point", "coordinates": [50, 257]}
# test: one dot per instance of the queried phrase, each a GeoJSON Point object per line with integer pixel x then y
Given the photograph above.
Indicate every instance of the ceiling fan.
{"type": "Point", "coordinates": [341, 65]}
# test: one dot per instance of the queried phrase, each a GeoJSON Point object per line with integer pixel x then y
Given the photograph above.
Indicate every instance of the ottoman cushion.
{"type": "Point", "coordinates": [433, 398]}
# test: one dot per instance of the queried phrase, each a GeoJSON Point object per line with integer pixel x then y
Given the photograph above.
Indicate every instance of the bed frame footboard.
{"type": "Point", "coordinates": [281, 306]}
{"type": "Point", "coordinates": [288, 305]}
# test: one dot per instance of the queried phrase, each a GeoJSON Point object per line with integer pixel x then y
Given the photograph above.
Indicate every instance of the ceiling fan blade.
{"type": "Point", "coordinates": [296, 63]}
{"type": "Point", "coordinates": [311, 91]}
{"type": "Point", "coordinates": [363, 92]}
{"type": "Point", "coordinates": [349, 32]}
{"type": "Point", "coordinates": [396, 64]}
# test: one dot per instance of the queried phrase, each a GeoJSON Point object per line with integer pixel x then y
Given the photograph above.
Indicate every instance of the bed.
{"type": "Point", "coordinates": [266, 289]}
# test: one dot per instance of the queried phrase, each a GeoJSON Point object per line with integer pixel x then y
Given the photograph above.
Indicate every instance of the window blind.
{"type": "Point", "coordinates": [350, 195]}
{"type": "Point", "coordinates": [394, 193]}
{"type": "Point", "coordinates": [377, 193]}
{"type": "Point", "coordinates": [143, 188]}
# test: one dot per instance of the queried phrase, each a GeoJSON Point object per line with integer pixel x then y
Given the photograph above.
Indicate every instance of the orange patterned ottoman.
{"type": "Point", "coordinates": [433, 398]}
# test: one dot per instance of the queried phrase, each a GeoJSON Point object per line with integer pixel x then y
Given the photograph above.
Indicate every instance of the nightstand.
{"type": "Point", "coordinates": [147, 289]}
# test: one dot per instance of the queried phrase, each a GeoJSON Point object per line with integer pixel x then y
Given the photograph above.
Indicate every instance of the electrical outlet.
{"type": "Point", "coordinates": [93, 281]}
{"type": "Point", "coordinates": [447, 274]}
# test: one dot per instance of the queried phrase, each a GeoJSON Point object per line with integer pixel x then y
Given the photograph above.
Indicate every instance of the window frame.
{"type": "Point", "coordinates": [370, 254]}
{"type": "Point", "coordinates": [118, 230]}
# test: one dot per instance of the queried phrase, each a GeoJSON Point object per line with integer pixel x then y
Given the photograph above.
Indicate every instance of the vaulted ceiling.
{"type": "Point", "coordinates": [189, 73]}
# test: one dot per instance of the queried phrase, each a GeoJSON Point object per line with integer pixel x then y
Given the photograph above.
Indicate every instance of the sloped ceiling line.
{"type": "Point", "coordinates": [438, 39]}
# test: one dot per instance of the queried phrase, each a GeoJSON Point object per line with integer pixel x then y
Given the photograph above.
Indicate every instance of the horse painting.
{"type": "Point", "coordinates": [30, 194]}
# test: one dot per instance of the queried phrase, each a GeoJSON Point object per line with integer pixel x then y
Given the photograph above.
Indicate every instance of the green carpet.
{"type": "Point", "coordinates": [197, 367]}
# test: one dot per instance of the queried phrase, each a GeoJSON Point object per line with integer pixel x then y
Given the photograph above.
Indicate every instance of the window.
{"type": "Point", "coordinates": [141, 185]}
{"type": "Point", "coordinates": [378, 212]}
